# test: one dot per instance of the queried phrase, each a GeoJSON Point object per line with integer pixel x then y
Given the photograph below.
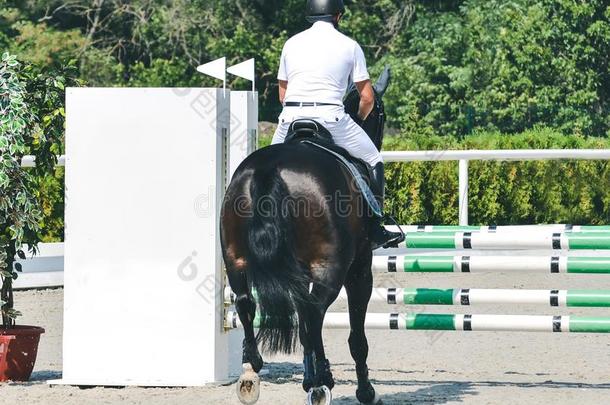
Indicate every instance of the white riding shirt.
{"type": "Point", "coordinates": [318, 64]}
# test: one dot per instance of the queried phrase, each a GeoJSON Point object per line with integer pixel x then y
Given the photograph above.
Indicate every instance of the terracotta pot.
{"type": "Point", "coordinates": [18, 350]}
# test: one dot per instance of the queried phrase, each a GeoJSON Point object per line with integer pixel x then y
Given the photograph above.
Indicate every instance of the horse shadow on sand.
{"type": "Point", "coordinates": [426, 391]}
{"type": "Point", "coordinates": [435, 392]}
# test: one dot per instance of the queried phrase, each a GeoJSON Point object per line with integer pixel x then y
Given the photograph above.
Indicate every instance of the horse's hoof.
{"type": "Point", "coordinates": [248, 386]}
{"type": "Point", "coordinates": [319, 396]}
{"type": "Point", "coordinates": [375, 401]}
{"type": "Point", "coordinates": [368, 397]}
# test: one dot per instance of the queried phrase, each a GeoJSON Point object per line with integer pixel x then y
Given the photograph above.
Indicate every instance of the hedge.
{"type": "Point", "coordinates": [530, 192]}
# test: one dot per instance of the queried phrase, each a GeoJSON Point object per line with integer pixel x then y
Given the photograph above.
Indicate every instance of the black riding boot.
{"type": "Point", "coordinates": [379, 235]}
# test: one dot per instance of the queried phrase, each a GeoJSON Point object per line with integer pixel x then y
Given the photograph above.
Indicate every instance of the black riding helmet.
{"type": "Point", "coordinates": [324, 10]}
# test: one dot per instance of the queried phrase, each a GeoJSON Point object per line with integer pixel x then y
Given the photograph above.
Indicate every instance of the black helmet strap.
{"type": "Point", "coordinates": [315, 18]}
{"type": "Point", "coordinates": [327, 18]}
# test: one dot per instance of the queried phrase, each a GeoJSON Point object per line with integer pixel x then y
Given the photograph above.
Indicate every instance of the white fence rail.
{"type": "Point", "coordinates": [30, 161]}
{"type": "Point", "coordinates": [502, 154]}
{"type": "Point", "coordinates": [44, 270]}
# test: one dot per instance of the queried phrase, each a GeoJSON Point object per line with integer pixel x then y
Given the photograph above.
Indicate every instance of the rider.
{"type": "Point", "coordinates": [315, 69]}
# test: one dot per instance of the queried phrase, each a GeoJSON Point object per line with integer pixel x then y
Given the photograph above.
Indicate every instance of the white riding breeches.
{"type": "Point", "coordinates": [346, 133]}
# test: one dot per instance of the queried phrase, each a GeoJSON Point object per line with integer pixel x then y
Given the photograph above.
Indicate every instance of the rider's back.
{"type": "Point", "coordinates": [318, 64]}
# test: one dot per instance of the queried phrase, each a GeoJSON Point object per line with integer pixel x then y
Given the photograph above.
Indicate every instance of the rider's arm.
{"type": "Point", "coordinates": [361, 78]}
{"type": "Point", "coordinates": [283, 87]}
{"type": "Point", "coordinates": [367, 99]}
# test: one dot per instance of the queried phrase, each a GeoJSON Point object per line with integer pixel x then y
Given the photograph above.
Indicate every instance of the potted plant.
{"type": "Point", "coordinates": [31, 122]}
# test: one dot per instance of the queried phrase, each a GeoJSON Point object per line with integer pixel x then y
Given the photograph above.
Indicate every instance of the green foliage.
{"type": "Point", "coordinates": [19, 212]}
{"type": "Point", "coordinates": [159, 43]}
{"type": "Point", "coordinates": [504, 66]}
{"type": "Point", "coordinates": [501, 192]}
{"type": "Point", "coordinates": [50, 195]}
{"type": "Point", "coordinates": [160, 73]}
{"type": "Point", "coordinates": [43, 45]}
{"type": "Point", "coordinates": [458, 65]}
{"type": "Point", "coordinates": [31, 122]}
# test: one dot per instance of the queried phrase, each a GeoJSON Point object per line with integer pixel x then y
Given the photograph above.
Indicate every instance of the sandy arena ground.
{"type": "Point", "coordinates": [406, 367]}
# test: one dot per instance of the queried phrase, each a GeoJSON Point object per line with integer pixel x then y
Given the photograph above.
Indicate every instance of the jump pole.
{"type": "Point", "coordinates": [479, 296]}
{"type": "Point", "coordinates": [491, 264]}
{"type": "Point", "coordinates": [459, 322]}
{"type": "Point", "coordinates": [503, 228]}
{"type": "Point", "coordinates": [508, 240]}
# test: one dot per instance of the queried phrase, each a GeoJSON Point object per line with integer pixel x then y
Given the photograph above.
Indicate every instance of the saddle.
{"type": "Point", "coordinates": [311, 133]}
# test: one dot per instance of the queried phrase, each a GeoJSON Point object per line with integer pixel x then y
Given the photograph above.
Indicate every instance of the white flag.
{"type": "Point", "coordinates": [245, 70]}
{"type": "Point", "coordinates": [216, 68]}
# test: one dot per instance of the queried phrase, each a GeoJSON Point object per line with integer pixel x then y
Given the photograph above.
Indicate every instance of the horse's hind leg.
{"type": "Point", "coordinates": [309, 373]}
{"type": "Point", "coordinates": [321, 298]}
{"type": "Point", "coordinates": [358, 285]}
{"type": "Point", "coordinates": [248, 385]}
{"type": "Point", "coordinates": [246, 309]}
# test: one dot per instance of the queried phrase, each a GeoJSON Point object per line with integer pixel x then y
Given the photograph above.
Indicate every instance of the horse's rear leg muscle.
{"type": "Point", "coordinates": [359, 285]}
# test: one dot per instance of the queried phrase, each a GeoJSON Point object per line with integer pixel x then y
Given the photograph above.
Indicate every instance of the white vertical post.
{"type": "Point", "coordinates": [463, 190]}
{"type": "Point", "coordinates": [244, 127]}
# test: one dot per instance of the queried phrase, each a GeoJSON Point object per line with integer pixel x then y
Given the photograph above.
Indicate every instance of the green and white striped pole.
{"type": "Point", "coordinates": [458, 322]}
{"type": "Point", "coordinates": [552, 228]}
{"type": "Point", "coordinates": [491, 264]}
{"type": "Point", "coordinates": [480, 296]}
{"type": "Point", "coordinates": [508, 240]}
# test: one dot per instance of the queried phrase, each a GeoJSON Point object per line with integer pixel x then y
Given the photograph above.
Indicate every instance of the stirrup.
{"type": "Point", "coordinates": [393, 243]}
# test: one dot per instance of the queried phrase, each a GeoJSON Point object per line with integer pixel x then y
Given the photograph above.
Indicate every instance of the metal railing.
{"type": "Point", "coordinates": [465, 156]}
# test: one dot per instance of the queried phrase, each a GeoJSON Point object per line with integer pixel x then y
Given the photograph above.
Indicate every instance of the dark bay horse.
{"type": "Point", "coordinates": [295, 228]}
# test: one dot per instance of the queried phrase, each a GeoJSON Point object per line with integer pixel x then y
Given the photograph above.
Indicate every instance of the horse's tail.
{"type": "Point", "coordinates": [280, 280]}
